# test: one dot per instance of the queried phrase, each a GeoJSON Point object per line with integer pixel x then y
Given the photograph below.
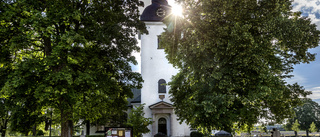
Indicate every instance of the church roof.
{"type": "Point", "coordinates": [136, 97]}
{"type": "Point", "coordinates": [156, 11]}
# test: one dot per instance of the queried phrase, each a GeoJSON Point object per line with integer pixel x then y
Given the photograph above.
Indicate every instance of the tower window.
{"type": "Point", "coordinates": [160, 46]}
{"type": "Point", "coordinates": [162, 86]}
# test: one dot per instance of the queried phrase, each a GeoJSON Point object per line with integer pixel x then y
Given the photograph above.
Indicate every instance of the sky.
{"type": "Point", "coordinates": [306, 75]}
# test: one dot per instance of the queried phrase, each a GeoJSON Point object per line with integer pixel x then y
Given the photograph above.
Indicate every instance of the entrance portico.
{"type": "Point", "coordinates": [162, 117]}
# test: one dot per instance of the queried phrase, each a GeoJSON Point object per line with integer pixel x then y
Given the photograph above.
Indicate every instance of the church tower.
{"type": "Point", "coordinates": [156, 73]}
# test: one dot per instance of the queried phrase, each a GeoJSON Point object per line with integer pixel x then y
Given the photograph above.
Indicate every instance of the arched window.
{"type": "Point", "coordinates": [162, 86]}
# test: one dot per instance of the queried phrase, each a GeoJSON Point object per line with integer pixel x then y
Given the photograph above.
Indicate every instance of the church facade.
{"type": "Point", "coordinates": [156, 72]}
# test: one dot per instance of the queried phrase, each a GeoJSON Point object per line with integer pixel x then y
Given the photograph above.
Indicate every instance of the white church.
{"type": "Point", "coordinates": [156, 72]}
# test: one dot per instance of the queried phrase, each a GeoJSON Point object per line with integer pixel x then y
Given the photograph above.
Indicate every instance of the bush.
{"type": "Point", "coordinates": [138, 121]}
{"type": "Point", "coordinates": [40, 133]}
{"type": "Point", "coordinates": [160, 135]}
{"type": "Point", "coordinates": [196, 134]}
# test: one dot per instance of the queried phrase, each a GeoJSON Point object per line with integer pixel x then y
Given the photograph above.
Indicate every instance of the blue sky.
{"type": "Point", "coordinates": [307, 75]}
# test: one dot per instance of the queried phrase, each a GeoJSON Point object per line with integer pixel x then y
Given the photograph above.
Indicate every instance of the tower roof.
{"type": "Point", "coordinates": [156, 11]}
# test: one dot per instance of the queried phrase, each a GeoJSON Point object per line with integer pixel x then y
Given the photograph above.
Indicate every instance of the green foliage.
{"type": "Point", "coordinates": [244, 129]}
{"type": "Point", "coordinates": [72, 56]}
{"type": "Point", "coordinates": [26, 115]}
{"type": "Point", "coordinates": [234, 59]}
{"type": "Point", "coordinates": [263, 129]}
{"type": "Point", "coordinates": [5, 116]}
{"type": "Point", "coordinates": [306, 114]}
{"type": "Point", "coordinates": [196, 134]}
{"type": "Point", "coordinates": [138, 121]}
{"type": "Point", "coordinates": [60, 136]}
{"type": "Point", "coordinates": [40, 133]}
{"type": "Point", "coordinates": [295, 126]}
{"type": "Point", "coordinates": [313, 128]}
{"type": "Point", "coordinates": [6, 104]}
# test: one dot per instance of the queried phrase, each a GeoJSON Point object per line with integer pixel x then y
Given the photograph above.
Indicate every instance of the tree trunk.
{"type": "Point", "coordinates": [3, 132]}
{"type": "Point", "coordinates": [47, 47]}
{"type": "Point", "coordinates": [66, 124]}
{"type": "Point", "coordinates": [87, 127]}
{"type": "Point", "coordinates": [4, 128]}
{"type": "Point", "coordinates": [34, 130]}
{"type": "Point", "coordinates": [296, 133]}
{"type": "Point", "coordinates": [307, 133]}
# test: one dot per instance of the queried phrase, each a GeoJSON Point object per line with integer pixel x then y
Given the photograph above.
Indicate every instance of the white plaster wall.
{"type": "Point", "coordinates": [155, 66]}
{"type": "Point", "coordinates": [179, 129]}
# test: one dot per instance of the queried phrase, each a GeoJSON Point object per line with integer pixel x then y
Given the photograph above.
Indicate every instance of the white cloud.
{"type": "Point", "coordinates": [316, 89]}
{"type": "Point", "coordinates": [302, 81]}
{"type": "Point", "coordinates": [306, 3]}
{"type": "Point", "coordinates": [297, 79]}
{"type": "Point", "coordinates": [315, 93]}
{"type": "Point", "coordinates": [310, 8]}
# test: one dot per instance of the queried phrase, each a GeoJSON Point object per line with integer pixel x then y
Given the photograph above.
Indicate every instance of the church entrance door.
{"type": "Point", "coordinates": [162, 126]}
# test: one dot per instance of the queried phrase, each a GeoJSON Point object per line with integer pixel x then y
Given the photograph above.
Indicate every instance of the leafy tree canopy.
{"type": "Point", "coordinates": [313, 128]}
{"type": "Point", "coordinates": [234, 56]}
{"type": "Point", "coordinates": [295, 126]}
{"type": "Point", "coordinates": [70, 55]}
{"type": "Point", "coordinates": [5, 107]}
{"type": "Point", "coordinates": [306, 114]}
{"type": "Point", "coordinates": [138, 121]}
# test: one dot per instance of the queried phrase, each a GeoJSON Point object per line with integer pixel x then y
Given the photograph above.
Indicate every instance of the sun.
{"type": "Point", "coordinates": [176, 9]}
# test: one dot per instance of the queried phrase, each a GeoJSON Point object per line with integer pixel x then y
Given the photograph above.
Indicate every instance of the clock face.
{"type": "Point", "coordinates": [161, 12]}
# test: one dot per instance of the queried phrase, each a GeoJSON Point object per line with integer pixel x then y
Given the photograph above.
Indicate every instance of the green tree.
{"type": "Point", "coordinates": [26, 115]}
{"type": "Point", "coordinates": [262, 129]}
{"type": "Point", "coordinates": [138, 121]}
{"type": "Point", "coordinates": [295, 127]}
{"type": "Point", "coordinates": [306, 114]}
{"type": "Point", "coordinates": [243, 129]}
{"type": "Point", "coordinates": [71, 55]}
{"type": "Point", "coordinates": [233, 58]}
{"type": "Point", "coordinates": [313, 128]}
{"type": "Point", "coordinates": [6, 104]}
{"type": "Point", "coordinates": [5, 116]}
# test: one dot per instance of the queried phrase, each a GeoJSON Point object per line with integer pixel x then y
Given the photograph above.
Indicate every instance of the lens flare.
{"type": "Point", "coordinates": [176, 9]}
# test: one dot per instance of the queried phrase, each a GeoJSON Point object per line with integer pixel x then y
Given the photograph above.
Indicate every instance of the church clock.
{"type": "Point", "coordinates": [161, 12]}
